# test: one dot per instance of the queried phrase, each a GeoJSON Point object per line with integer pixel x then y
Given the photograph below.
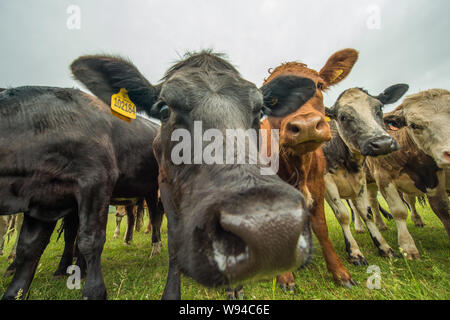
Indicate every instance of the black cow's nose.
{"type": "Point", "coordinates": [380, 146]}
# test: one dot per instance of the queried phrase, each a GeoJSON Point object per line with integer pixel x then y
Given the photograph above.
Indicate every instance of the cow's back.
{"type": "Point", "coordinates": [52, 142]}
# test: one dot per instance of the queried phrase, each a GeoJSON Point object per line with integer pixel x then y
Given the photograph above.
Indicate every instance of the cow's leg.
{"type": "Point", "coordinates": [93, 214]}
{"type": "Point", "coordinates": [33, 239]}
{"type": "Point", "coordinates": [4, 225]}
{"type": "Point", "coordinates": [415, 217]}
{"type": "Point", "coordinates": [119, 216]}
{"type": "Point", "coordinates": [149, 224]}
{"type": "Point", "coordinates": [70, 235]}
{"type": "Point", "coordinates": [340, 211]}
{"type": "Point", "coordinates": [400, 213]}
{"type": "Point", "coordinates": [18, 226]}
{"type": "Point", "coordinates": [130, 224]}
{"type": "Point", "coordinates": [172, 290]}
{"type": "Point", "coordinates": [365, 211]}
{"type": "Point", "coordinates": [359, 225]}
{"type": "Point", "coordinates": [156, 216]}
{"type": "Point", "coordinates": [140, 214]}
{"type": "Point", "coordinates": [80, 261]}
{"type": "Point", "coordinates": [372, 193]}
{"type": "Point", "coordinates": [286, 281]}
{"type": "Point", "coordinates": [320, 229]}
{"type": "Point", "coordinates": [439, 202]}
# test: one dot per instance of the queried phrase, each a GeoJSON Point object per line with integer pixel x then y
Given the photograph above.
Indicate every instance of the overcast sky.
{"type": "Point", "coordinates": [408, 41]}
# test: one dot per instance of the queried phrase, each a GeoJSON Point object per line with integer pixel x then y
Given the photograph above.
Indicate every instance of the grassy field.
{"type": "Point", "coordinates": [130, 274]}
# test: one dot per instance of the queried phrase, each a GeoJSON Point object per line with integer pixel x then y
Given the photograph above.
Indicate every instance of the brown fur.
{"type": "Point", "coordinates": [409, 160]}
{"type": "Point", "coordinates": [303, 165]}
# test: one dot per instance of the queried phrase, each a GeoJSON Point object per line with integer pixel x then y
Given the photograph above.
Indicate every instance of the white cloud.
{"type": "Point", "coordinates": [257, 35]}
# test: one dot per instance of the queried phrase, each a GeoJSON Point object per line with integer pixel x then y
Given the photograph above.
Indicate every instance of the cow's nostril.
{"type": "Point", "coordinates": [320, 125]}
{"type": "Point", "coordinates": [294, 129]}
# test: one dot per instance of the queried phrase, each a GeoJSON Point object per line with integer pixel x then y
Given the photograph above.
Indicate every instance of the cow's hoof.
{"type": "Point", "coordinates": [288, 287]}
{"type": "Point", "coordinates": [388, 253]}
{"type": "Point", "coordinates": [95, 295]}
{"type": "Point", "coordinates": [349, 284]}
{"type": "Point", "coordinates": [412, 254]}
{"type": "Point", "coordinates": [115, 236]}
{"type": "Point", "coordinates": [360, 230]}
{"type": "Point", "coordinates": [358, 260]}
{"type": "Point", "coordinates": [156, 249]}
{"type": "Point", "coordinates": [419, 224]}
{"type": "Point", "coordinates": [383, 227]}
{"type": "Point", "coordinates": [235, 294]}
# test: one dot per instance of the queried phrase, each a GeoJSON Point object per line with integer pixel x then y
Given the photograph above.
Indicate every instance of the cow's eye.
{"type": "Point", "coordinates": [342, 118]}
{"type": "Point", "coordinates": [415, 126]}
{"type": "Point", "coordinates": [164, 113]}
{"type": "Point", "coordinates": [320, 86]}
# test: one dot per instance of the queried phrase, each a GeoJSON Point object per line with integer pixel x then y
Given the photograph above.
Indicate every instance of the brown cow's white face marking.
{"type": "Point", "coordinates": [428, 123]}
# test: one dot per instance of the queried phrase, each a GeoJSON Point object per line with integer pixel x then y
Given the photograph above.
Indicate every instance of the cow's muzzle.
{"type": "Point", "coordinates": [379, 146]}
{"type": "Point", "coordinates": [270, 243]}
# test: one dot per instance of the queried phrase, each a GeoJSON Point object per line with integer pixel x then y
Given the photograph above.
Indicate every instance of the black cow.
{"type": "Point", "coordinates": [226, 222]}
{"type": "Point", "coordinates": [63, 155]}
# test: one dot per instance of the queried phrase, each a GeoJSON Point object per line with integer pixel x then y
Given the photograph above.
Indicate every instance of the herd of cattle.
{"type": "Point", "coordinates": [63, 155]}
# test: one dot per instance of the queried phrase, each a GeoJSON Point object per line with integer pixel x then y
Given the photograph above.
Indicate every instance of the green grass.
{"type": "Point", "coordinates": [130, 273]}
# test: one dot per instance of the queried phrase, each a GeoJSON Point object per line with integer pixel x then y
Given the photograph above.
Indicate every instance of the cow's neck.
{"type": "Point", "coordinates": [419, 166]}
{"type": "Point", "coordinates": [339, 156]}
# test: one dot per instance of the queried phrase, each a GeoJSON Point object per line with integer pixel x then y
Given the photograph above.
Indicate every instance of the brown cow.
{"type": "Point", "coordinates": [419, 167]}
{"type": "Point", "coordinates": [302, 162]}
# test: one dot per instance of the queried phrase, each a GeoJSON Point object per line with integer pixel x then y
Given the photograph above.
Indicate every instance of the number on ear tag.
{"type": "Point", "coordinates": [122, 107]}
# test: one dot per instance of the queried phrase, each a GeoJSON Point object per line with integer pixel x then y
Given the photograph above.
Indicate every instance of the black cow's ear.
{"type": "Point", "coordinates": [106, 75]}
{"type": "Point", "coordinates": [286, 94]}
{"type": "Point", "coordinates": [330, 113]}
{"type": "Point", "coordinates": [393, 93]}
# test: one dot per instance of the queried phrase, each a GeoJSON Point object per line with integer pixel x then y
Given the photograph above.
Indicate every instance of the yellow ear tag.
{"type": "Point", "coordinates": [336, 75]}
{"type": "Point", "coordinates": [122, 107]}
{"type": "Point", "coordinates": [327, 119]}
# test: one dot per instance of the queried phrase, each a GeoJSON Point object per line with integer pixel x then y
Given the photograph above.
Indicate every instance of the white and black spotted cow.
{"type": "Point", "coordinates": [358, 132]}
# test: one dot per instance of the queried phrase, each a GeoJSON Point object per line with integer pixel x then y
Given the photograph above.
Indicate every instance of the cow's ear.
{"type": "Point", "coordinates": [286, 94]}
{"type": "Point", "coordinates": [330, 113]}
{"type": "Point", "coordinates": [394, 121]}
{"type": "Point", "coordinates": [106, 75]}
{"type": "Point", "coordinates": [338, 67]}
{"type": "Point", "coordinates": [393, 93]}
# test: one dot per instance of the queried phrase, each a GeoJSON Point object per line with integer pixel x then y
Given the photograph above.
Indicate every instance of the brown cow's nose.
{"type": "Point", "coordinates": [314, 129]}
